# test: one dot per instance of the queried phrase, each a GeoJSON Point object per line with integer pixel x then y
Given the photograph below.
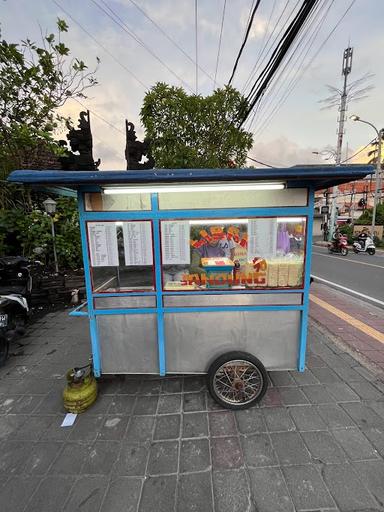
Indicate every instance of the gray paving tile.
{"type": "Point", "coordinates": [42, 456]}
{"type": "Point", "coordinates": [346, 488]}
{"type": "Point", "coordinates": [51, 403]}
{"type": "Point", "coordinates": [33, 429]}
{"type": "Point", "coordinates": [222, 423]}
{"type": "Point", "coordinates": [193, 402]}
{"type": "Point", "coordinates": [85, 428]}
{"type": "Point", "coordinates": [226, 453]}
{"type": "Point", "coordinates": [231, 491]}
{"type": "Point", "coordinates": [258, 451]}
{"type": "Point", "coordinates": [326, 375]}
{"type": "Point", "coordinates": [132, 460]}
{"type": "Point", "coordinates": [26, 404]}
{"type": "Point", "coordinates": [129, 386]}
{"type": "Point", "coordinates": [169, 404]}
{"type": "Point", "coordinates": [122, 404]}
{"type": "Point", "coordinates": [195, 383]}
{"type": "Point", "coordinates": [195, 424]}
{"type": "Point", "coordinates": [172, 385]}
{"type": "Point", "coordinates": [363, 415]}
{"type": "Point", "coordinates": [314, 361]}
{"type": "Point", "coordinates": [140, 429]}
{"type": "Point", "coordinates": [269, 490]}
{"type": "Point", "coordinates": [163, 458]}
{"type": "Point", "coordinates": [167, 427]}
{"type": "Point", "coordinates": [366, 391]}
{"type": "Point", "coordinates": [307, 488]}
{"type": "Point", "coordinates": [113, 428]}
{"type": "Point", "coordinates": [376, 437]}
{"type": "Point", "coordinates": [159, 490]}
{"type": "Point", "coordinates": [194, 455]}
{"type": "Point", "coordinates": [123, 494]}
{"type": "Point", "coordinates": [290, 448]}
{"type": "Point", "coordinates": [87, 494]}
{"type": "Point", "coordinates": [150, 386]}
{"type": "Point", "coordinates": [70, 459]}
{"type": "Point", "coordinates": [355, 444]}
{"type": "Point", "coordinates": [318, 394]}
{"type": "Point", "coordinates": [281, 378]}
{"type": "Point", "coordinates": [14, 455]}
{"type": "Point", "coordinates": [146, 405]}
{"type": "Point", "coordinates": [51, 494]}
{"type": "Point", "coordinates": [372, 475]}
{"type": "Point", "coordinates": [101, 458]}
{"type": "Point", "coordinates": [342, 392]}
{"type": "Point", "coordinates": [194, 493]}
{"type": "Point", "coordinates": [15, 494]}
{"type": "Point", "coordinates": [349, 375]}
{"type": "Point", "coordinates": [101, 406]}
{"type": "Point", "coordinates": [323, 447]}
{"type": "Point", "coordinates": [334, 416]}
{"type": "Point", "coordinates": [250, 421]}
{"type": "Point", "coordinates": [307, 418]}
{"type": "Point", "coordinates": [305, 378]}
{"type": "Point", "coordinates": [292, 396]}
{"type": "Point", "coordinates": [278, 419]}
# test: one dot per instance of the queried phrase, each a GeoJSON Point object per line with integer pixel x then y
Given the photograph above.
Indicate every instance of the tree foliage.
{"type": "Point", "coordinates": [35, 80]}
{"type": "Point", "coordinates": [21, 233]}
{"type": "Point", "coordinates": [195, 131]}
{"type": "Point", "coordinates": [366, 217]}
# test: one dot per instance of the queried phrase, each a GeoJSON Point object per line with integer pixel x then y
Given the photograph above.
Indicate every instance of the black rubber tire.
{"type": "Point", "coordinates": [371, 251]}
{"type": "Point", "coordinates": [329, 250]}
{"type": "Point", "coordinates": [4, 349]}
{"type": "Point", "coordinates": [344, 251]}
{"type": "Point", "coordinates": [233, 356]}
{"type": "Point", "coordinates": [355, 251]}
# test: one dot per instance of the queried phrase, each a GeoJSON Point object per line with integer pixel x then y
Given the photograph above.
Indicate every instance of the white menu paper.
{"type": "Point", "coordinates": [175, 242]}
{"type": "Point", "coordinates": [262, 238]}
{"type": "Point", "coordinates": [138, 243]}
{"type": "Point", "coordinates": [103, 244]}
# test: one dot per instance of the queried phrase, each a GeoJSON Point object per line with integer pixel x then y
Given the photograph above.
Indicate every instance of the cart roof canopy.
{"type": "Point", "coordinates": [318, 177]}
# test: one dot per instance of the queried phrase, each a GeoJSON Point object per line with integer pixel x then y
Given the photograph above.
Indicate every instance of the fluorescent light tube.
{"type": "Point", "coordinates": [211, 187]}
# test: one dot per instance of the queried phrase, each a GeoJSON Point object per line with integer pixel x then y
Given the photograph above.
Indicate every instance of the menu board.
{"type": "Point", "coordinates": [137, 243]}
{"type": "Point", "coordinates": [175, 242]}
{"type": "Point", "coordinates": [103, 244]}
{"type": "Point", "coordinates": [262, 238]}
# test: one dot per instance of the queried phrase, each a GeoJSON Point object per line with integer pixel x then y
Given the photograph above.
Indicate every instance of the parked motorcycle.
{"type": "Point", "coordinates": [364, 245]}
{"type": "Point", "coordinates": [15, 295]}
{"type": "Point", "coordinates": [339, 246]}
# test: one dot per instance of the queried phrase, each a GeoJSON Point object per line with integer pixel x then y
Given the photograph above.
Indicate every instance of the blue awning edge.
{"type": "Point", "coordinates": [318, 177]}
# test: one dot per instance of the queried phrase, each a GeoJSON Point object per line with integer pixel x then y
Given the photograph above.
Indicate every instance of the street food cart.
{"type": "Point", "coordinates": [197, 271]}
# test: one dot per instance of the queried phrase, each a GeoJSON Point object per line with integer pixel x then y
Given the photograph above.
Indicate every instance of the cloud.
{"type": "Point", "coordinates": [282, 152]}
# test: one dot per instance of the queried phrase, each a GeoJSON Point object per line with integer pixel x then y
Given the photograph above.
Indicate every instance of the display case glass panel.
{"type": "Point", "coordinates": [102, 202]}
{"type": "Point", "coordinates": [121, 256]}
{"type": "Point", "coordinates": [233, 254]}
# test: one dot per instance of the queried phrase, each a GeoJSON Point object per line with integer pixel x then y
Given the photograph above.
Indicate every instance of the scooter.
{"type": "Point", "coordinates": [365, 245]}
{"type": "Point", "coordinates": [340, 246]}
{"type": "Point", "coordinates": [15, 295]}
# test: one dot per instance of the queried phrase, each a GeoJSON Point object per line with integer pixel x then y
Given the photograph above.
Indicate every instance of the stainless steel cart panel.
{"type": "Point", "coordinates": [128, 343]}
{"type": "Point", "coordinates": [124, 302]}
{"type": "Point", "coordinates": [194, 340]}
{"type": "Point", "coordinates": [233, 300]}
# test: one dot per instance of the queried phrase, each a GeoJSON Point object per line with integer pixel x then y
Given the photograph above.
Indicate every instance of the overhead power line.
{"type": "Point", "coordinates": [259, 162]}
{"type": "Point", "coordinates": [250, 22]}
{"type": "Point", "coordinates": [123, 25]}
{"type": "Point", "coordinates": [278, 55]}
{"type": "Point", "coordinates": [170, 39]}
{"type": "Point", "coordinates": [302, 69]}
{"type": "Point", "coordinates": [221, 33]}
{"type": "Point", "coordinates": [101, 46]}
{"type": "Point", "coordinates": [360, 151]}
{"type": "Point", "coordinates": [100, 117]}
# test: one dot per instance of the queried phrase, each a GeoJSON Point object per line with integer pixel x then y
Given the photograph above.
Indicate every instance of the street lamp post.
{"type": "Point", "coordinates": [330, 217]}
{"type": "Point", "coordinates": [379, 134]}
{"type": "Point", "coordinates": [50, 208]}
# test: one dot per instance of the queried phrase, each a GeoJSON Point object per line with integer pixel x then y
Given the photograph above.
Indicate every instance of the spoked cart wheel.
{"type": "Point", "coordinates": [237, 380]}
{"type": "Point", "coordinates": [4, 349]}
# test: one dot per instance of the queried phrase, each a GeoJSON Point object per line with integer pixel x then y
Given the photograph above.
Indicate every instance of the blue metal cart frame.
{"type": "Point", "coordinates": [78, 183]}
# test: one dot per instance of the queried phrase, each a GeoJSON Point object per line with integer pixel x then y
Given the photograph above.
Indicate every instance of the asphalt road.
{"type": "Point", "coordinates": [359, 272]}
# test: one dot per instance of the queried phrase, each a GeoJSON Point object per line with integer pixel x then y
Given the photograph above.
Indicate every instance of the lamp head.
{"type": "Point", "coordinates": [50, 206]}
{"type": "Point", "coordinates": [354, 117]}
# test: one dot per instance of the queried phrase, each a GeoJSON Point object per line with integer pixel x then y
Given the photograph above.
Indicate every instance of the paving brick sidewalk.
{"type": "Point", "coordinates": [360, 341]}
{"type": "Point", "coordinates": [315, 443]}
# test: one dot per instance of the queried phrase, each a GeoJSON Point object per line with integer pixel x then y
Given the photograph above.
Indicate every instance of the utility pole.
{"type": "Point", "coordinates": [346, 70]}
